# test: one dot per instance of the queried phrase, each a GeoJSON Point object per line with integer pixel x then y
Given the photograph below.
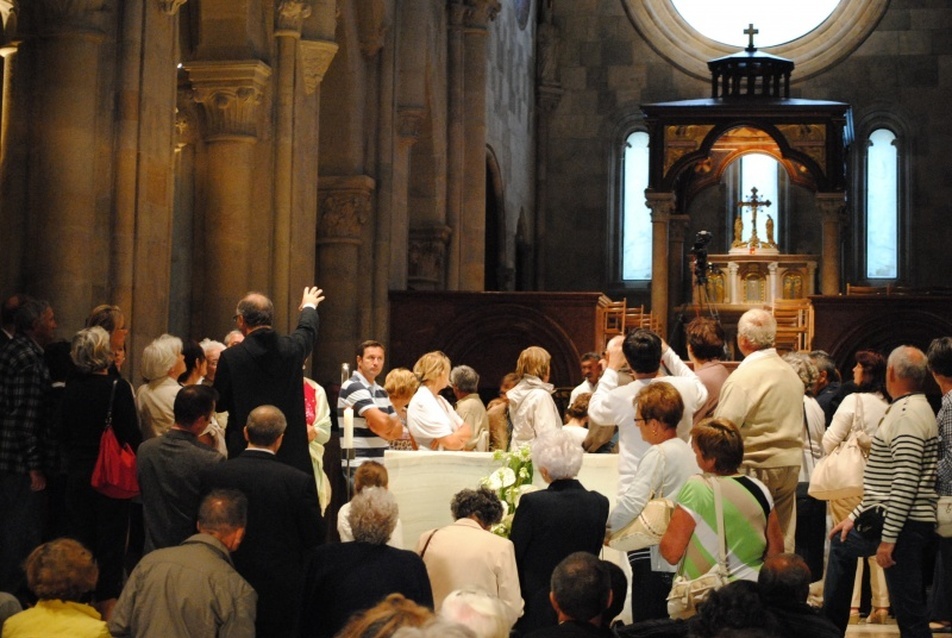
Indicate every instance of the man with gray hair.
{"type": "Point", "coordinates": [763, 397]}
{"type": "Point", "coordinates": [895, 521]}
{"type": "Point", "coordinates": [465, 384]}
{"type": "Point", "coordinates": [192, 589]}
{"type": "Point", "coordinates": [284, 520]}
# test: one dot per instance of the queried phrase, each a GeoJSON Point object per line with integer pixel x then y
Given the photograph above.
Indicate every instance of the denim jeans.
{"type": "Point", "coordinates": [904, 579]}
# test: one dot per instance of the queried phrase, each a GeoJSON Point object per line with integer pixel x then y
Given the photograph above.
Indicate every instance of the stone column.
{"type": "Point", "coordinates": [548, 96]}
{"type": "Point", "coordinates": [662, 207]}
{"type": "Point", "coordinates": [831, 207]}
{"type": "Point", "coordinates": [344, 207]}
{"type": "Point", "coordinates": [466, 194]}
{"type": "Point", "coordinates": [289, 20]}
{"type": "Point", "coordinates": [409, 120]}
{"type": "Point", "coordinates": [13, 169]}
{"type": "Point", "coordinates": [67, 243]}
{"type": "Point", "coordinates": [773, 283]}
{"type": "Point", "coordinates": [229, 94]}
{"type": "Point", "coordinates": [733, 270]}
{"type": "Point", "coordinates": [681, 275]}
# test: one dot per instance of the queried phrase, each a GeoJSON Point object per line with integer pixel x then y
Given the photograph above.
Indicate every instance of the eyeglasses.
{"type": "Point", "coordinates": [640, 419]}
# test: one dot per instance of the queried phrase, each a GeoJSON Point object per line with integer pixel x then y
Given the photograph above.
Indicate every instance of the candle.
{"type": "Point", "coordinates": [348, 443]}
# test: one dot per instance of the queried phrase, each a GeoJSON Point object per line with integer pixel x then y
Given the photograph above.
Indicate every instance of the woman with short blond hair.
{"type": "Point", "coordinates": [432, 421]}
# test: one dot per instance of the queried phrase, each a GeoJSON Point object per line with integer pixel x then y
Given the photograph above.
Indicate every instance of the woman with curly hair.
{"type": "Point", "coordinates": [61, 573]}
{"type": "Point", "coordinates": [466, 554]}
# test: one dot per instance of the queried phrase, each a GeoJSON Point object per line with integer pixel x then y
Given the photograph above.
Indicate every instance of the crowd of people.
{"type": "Point", "coordinates": [233, 531]}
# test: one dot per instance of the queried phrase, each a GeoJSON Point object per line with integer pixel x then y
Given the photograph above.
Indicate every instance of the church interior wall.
{"type": "Point", "coordinates": [607, 70]}
{"type": "Point", "coordinates": [511, 119]}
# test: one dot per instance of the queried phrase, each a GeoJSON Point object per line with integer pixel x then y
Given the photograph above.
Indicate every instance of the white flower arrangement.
{"type": "Point", "coordinates": [510, 482]}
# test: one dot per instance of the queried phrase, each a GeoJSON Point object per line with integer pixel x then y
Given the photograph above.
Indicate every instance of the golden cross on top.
{"type": "Point", "coordinates": [750, 31]}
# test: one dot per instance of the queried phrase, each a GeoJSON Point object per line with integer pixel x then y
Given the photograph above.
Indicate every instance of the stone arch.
{"type": "Point", "coordinates": [490, 339]}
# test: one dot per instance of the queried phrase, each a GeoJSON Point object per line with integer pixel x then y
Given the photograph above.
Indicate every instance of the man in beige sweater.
{"type": "Point", "coordinates": [764, 399]}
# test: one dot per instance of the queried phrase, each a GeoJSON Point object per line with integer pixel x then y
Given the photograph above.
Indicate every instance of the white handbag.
{"type": "Point", "coordinates": [839, 474]}
{"type": "Point", "coordinates": [687, 593]}
{"type": "Point", "coordinates": [943, 516]}
{"type": "Point", "coordinates": [649, 526]}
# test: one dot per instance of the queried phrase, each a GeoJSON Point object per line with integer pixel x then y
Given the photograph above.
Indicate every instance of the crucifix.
{"type": "Point", "coordinates": [750, 31]}
{"type": "Point", "coordinates": [754, 203]}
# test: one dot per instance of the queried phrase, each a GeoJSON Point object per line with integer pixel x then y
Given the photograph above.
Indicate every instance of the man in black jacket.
{"type": "Point", "coordinates": [267, 368]}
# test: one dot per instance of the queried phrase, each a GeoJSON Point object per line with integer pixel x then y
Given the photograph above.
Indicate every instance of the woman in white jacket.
{"type": "Point", "coordinates": [531, 408]}
{"type": "Point", "coordinates": [867, 406]}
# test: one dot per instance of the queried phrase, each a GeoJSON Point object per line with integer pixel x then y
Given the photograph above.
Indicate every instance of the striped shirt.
{"type": "Point", "coordinates": [901, 471]}
{"type": "Point", "coordinates": [361, 395]}
{"type": "Point", "coordinates": [944, 484]}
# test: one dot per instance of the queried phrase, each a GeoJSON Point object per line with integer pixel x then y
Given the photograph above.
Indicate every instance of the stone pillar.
{"type": "Point", "coordinates": [548, 96]}
{"type": "Point", "coordinates": [662, 207]}
{"type": "Point", "coordinates": [409, 121]}
{"type": "Point", "coordinates": [733, 270]}
{"type": "Point", "coordinates": [64, 233]}
{"type": "Point", "coordinates": [466, 191]}
{"type": "Point", "coordinates": [344, 207]}
{"type": "Point", "coordinates": [831, 206]}
{"type": "Point", "coordinates": [773, 283]}
{"type": "Point", "coordinates": [681, 277]}
{"type": "Point", "coordinates": [289, 20]}
{"type": "Point", "coordinates": [13, 169]}
{"type": "Point", "coordinates": [229, 94]}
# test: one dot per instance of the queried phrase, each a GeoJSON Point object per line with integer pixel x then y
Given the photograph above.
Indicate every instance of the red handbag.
{"type": "Point", "coordinates": [114, 474]}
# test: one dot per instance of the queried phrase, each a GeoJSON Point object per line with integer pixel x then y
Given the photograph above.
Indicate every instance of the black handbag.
{"type": "Point", "coordinates": [869, 524]}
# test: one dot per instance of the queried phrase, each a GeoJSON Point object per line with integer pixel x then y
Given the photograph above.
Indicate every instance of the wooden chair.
{"type": "Point", "coordinates": [613, 319]}
{"type": "Point", "coordinates": [794, 324]}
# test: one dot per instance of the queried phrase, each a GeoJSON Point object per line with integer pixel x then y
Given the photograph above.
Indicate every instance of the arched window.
{"type": "Point", "coordinates": [761, 171]}
{"type": "Point", "coordinates": [636, 216]}
{"type": "Point", "coordinates": [882, 205]}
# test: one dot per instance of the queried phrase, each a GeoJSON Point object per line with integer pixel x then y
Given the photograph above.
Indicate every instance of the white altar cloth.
{"type": "Point", "coordinates": [424, 482]}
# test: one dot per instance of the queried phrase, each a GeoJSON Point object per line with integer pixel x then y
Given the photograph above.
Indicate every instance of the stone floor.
{"type": "Point", "coordinates": [877, 631]}
{"type": "Point", "coordinates": [874, 631]}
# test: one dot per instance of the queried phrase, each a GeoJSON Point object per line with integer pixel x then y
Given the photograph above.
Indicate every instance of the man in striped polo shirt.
{"type": "Point", "coordinates": [375, 421]}
{"type": "Point", "coordinates": [899, 482]}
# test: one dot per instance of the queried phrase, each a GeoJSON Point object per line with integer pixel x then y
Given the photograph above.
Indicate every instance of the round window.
{"type": "Point", "coordinates": [833, 31]}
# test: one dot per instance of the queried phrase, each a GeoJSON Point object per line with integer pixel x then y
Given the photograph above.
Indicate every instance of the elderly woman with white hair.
{"type": "Point", "coordinates": [162, 363]}
{"type": "Point", "coordinates": [484, 614]}
{"type": "Point", "coordinates": [347, 578]}
{"type": "Point", "coordinates": [550, 524]}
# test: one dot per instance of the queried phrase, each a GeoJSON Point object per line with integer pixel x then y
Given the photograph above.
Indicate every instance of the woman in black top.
{"type": "Point", "coordinates": [97, 521]}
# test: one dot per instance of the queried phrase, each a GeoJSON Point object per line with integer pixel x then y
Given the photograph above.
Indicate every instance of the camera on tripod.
{"type": "Point", "coordinates": [699, 250]}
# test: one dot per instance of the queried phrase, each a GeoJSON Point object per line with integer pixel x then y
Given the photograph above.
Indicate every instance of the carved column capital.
{"type": "Point", "coordinates": [476, 14]}
{"type": "Point", "coordinates": [229, 92]}
{"type": "Point", "coordinates": [661, 205]}
{"type": "Point", "coordinates": [316, 56]}
{"type": "Point", "coordinates": [291, 15]}
{"type": "Point", "coordinates": [371, 26]}
{"type": "Point", "coordinates": [426, 256]}
{"type": "Point", "coordinates": [832, 206]}
{"type": "Point", "coordinates": [171, 7]}
{"type": "Point", "coordinates": [410, 122]}
{"type": "Point", "coordinates": [344, 206]}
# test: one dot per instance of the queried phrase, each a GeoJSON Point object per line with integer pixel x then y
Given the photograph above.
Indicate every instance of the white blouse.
{"type": "Point", "coordinates": [431, 417]}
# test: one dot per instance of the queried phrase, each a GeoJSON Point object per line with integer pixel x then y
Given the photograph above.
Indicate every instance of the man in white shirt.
{"type": "Point", "coordinates": [591, 372]}
{"type": "Point", "coordinates": [611, 404]}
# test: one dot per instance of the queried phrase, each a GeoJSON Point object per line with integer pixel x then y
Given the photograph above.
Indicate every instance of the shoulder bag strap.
{"type": "Point", "coordinates": [427, 544]}
{"type": "Point", "coordinates": [664, 460]}
{"type": "Point", "coordinates": [806, 426]}
{"type": "Point", "coordinates": [859, 423]}
{"type": "Point", "coordinates": [719, 516]}
{"type": "Point", "coordinates": [112, 396]}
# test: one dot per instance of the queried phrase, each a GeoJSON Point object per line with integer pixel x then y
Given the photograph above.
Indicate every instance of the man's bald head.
{"type": "Point", "coordinates": [256, 310]}
{"type": "Point", "coordinates": [266, 424]}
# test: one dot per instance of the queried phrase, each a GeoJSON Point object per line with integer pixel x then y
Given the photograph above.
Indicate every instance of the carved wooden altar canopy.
{"type": "Point", "coordinates": [693, 141]}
